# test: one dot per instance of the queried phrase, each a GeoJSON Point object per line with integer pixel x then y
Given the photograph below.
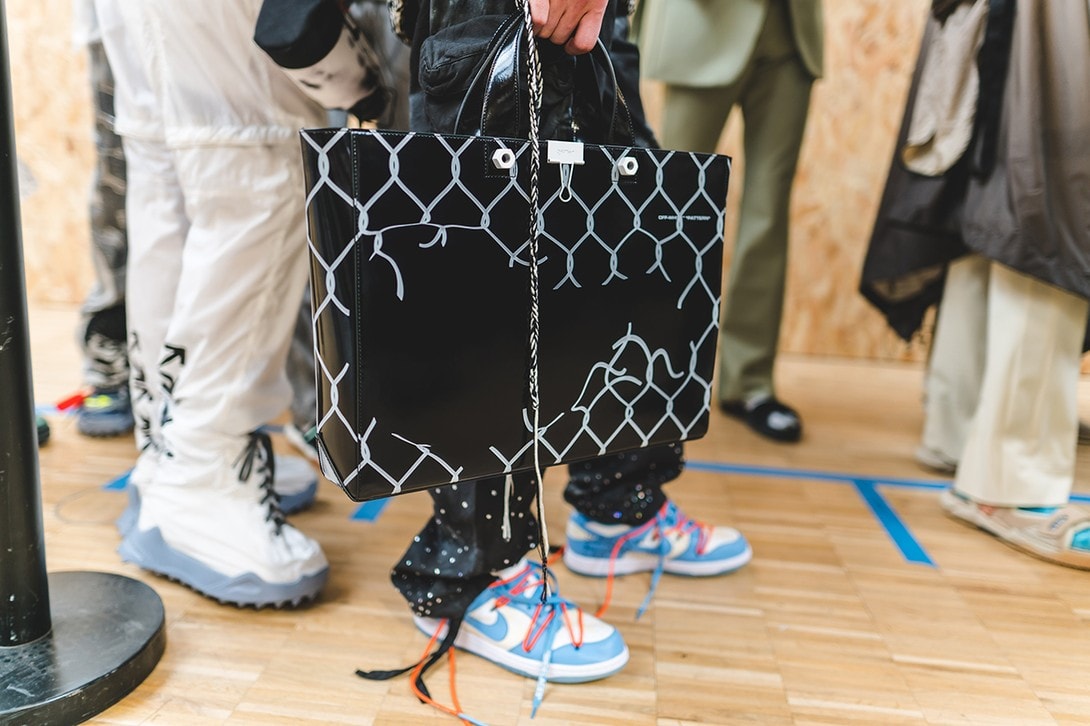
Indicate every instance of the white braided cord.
{"type": "Point", "coordinates": [533, 62]}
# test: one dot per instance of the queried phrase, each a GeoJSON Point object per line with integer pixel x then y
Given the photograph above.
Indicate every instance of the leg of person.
{"type": "Point", "coordinates": [210, 518]}
{"type": "Point", "coordinates": [956, 366]}
{"type": "Point", "coordinates": [466, 569]}
{"type": "Point", "coordinates": [1018, 465]}
{"type": "Point", "coordinates": [774, 100]}
{"type": "Point", "coordinates": [155, 220]}
{"type": "Point", "coordinates": [693, 118]}
{"type": "Point", "coordinates": [107, 410]}
{"type": "Point", "coordinates": [156, 216]}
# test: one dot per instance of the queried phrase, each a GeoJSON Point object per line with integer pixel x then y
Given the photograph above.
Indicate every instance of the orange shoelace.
{"type": "Point", "coordinates": [526, 580]}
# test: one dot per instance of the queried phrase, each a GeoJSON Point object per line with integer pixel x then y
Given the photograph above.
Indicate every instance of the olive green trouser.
{"type": "Point", "coordinates": [774, 96]}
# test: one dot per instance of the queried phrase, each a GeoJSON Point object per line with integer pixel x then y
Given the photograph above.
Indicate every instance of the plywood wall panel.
{"type": "Point", "coordinates": [855, 115]}
{"type": "Point", "coordinates": [52, 105]}
{"type": "Point", "coordinates": [871, 48]}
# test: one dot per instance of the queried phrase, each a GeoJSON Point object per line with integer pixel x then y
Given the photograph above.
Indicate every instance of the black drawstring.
{"type": "Point", "coordinates": [453, 625]}
{"type": "Point", "coordinates": [259, 449]}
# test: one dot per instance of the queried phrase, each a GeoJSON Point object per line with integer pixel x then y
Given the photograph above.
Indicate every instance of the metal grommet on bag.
{"type": "Point", "coordinates": [627, 166]}
{"type": "Point", "coordinates": [503, 158]}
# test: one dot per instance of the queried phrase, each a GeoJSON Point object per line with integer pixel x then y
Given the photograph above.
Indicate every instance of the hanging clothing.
{"type": "Point", "coordinates": [1019, 195]}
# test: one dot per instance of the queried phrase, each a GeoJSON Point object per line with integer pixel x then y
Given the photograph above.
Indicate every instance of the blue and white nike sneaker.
{"type": "Point", "coordinates": [682, 546]}
{"type": "Point", "coordinates": [670, 542]}
{"type": "Point", "coordinates": [555, 641]}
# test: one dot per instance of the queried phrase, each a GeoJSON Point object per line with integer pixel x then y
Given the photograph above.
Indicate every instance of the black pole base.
{"type": "Point", "coordinates": [108, 635]}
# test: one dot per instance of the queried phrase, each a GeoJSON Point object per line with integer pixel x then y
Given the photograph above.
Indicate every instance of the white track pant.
{"type": "Point", "coordinates": [216, 219]}
{"type": "Point", "coordinates": [1004, 374]}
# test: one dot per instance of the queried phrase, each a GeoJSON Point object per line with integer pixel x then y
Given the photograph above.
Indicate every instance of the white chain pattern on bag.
{"type": "Point", "coordinates": [604, 380]}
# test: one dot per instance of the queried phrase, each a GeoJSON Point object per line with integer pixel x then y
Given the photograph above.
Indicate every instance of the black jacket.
{"type": "Point", "coordinates": [450, 38]}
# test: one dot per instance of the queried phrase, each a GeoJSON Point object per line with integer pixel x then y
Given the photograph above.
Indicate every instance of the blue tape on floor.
{"type": "Point", "coordinates": [369, 511]}
{"type": "Point", "coordinates": [119, 483]}
{"type": "Point", "coordinates": [912, 550]}
{"type": "Point", "coordinates": [867, 487]}
{"type": "Point", "coordinates": [834, 477]}
{"type": "Point", "coordinates": [813, 475]}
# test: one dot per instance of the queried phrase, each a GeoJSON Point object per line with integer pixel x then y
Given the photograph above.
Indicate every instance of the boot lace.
{"type": "Point", "coordinates": [257, 459]}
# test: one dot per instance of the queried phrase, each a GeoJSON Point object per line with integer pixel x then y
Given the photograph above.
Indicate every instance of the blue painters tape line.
{"type": "Point", "coordinates": [45, 410]}
{"type": "Point", "coordinates": [909, 546]}
{"type": "Point", "coordinates": [119, 483]}
{"type": "Point", "coordinates": [833, 477]}
{"type": "Point", "coordinates": [813, 475]}
{"type": "Point", "coordinates": [271, 429]}
{"type": "Point", "coordinates": [369, 511]}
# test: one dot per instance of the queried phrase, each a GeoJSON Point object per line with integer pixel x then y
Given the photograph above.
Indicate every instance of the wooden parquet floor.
{"type": "Point", "coordinates": [830, 624]}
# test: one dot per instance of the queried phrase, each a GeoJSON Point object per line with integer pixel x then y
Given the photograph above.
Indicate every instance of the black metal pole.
{"type": "Point", "coordinates": [24, 584]}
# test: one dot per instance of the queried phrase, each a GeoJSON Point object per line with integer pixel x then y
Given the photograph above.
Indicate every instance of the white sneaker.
{"type": "Point", "coordinates": [212, 523]}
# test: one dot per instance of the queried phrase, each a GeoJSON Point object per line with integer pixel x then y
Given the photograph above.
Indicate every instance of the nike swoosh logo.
{"type": "Point", "coordinates": [496, 630]}
{"type": "Point", "coordinates": [678, 544]}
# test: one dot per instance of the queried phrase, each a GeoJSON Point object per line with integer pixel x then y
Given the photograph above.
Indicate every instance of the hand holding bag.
{"type": "Point", "coordinates": [487, 304]}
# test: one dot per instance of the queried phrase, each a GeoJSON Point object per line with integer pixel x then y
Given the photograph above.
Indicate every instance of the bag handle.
{"type": "Point", "coordinates": [501, 85]}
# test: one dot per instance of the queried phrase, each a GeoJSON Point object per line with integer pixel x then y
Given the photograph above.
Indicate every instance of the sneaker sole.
{"type": "Point", "coordinates": [632, 563]}
{"type": "Point", "coordinates": [527, 667]}
{"type": "Point", "coordinates": [147, 549]}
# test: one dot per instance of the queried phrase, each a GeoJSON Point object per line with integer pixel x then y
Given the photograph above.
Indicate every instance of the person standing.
{"type": "Point", "coordinates": [762, 56]}
{"type": "Point", "coordinates": [216, 268]}
{"type": "Point", "coordinates": [1015, 214]}
{"type": "Point", "coordinates": [465, 575]}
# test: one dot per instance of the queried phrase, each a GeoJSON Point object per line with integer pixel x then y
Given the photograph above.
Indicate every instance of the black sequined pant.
{"type": "Point", "coordinates": [452, 559]}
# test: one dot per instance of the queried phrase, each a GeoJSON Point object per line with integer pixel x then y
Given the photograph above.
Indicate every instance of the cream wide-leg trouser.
{"type": "Point", "coordinates": [1002, 380]}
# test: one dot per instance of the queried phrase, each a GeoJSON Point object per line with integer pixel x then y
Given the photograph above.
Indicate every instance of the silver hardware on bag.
{"type": "Point", "coordinates": [627, 166]}
{"type": "Point", "coordinates": [503, 158]}
{"type": "Point", "coordinates": [565, 152]}
{"type": "Point", "coordinates": [565, 182]}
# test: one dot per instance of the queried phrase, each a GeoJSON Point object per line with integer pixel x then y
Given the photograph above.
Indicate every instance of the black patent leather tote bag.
{"type": "Point", "coordinates": [485, 304]}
